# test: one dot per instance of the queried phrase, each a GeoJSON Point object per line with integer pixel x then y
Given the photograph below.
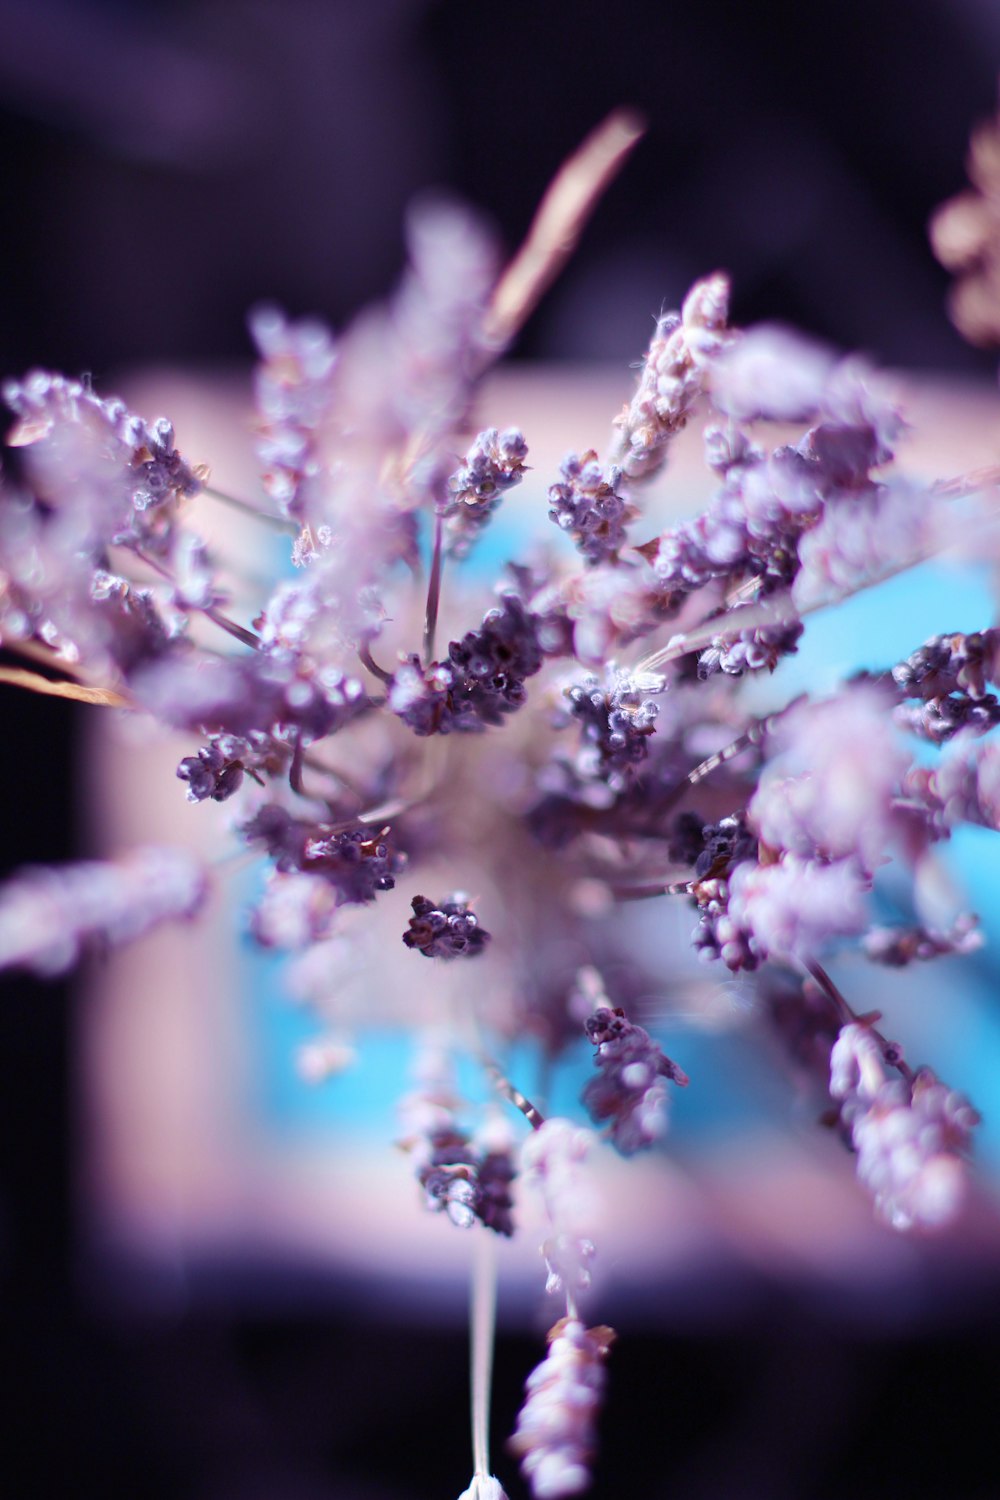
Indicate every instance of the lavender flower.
{"type": "Point", "coordinates": [262, 694]}
{"type": "Point", "coordinates": [450, 930]}
{"type": "Point", "coordinates": [556, 1433]}
{"type": "Point", "coordinates": [217, 770]}
{"type": "Point", "coordinates": [912, 1134]}
{"type": "Point", "coordinates": [552, 1160]}
{"type": "Point", "coordinates": [773, 373]}
{"type": "Point", "coordinates": [859, 541]}
{"type": "Point", "coordinates": [629, 1091]}
{"type": "Point", "coordinates": [616, 721]}
{"type": "Point", "coordinates": [898, 946]}
{"type": "Point", "coordinates": [672, 378]}
{"type": "Point", "coordinates": [295, 911]}
{"type": "Point", "coordinates": [465, 1177]}
{"type": "Point", "coordinates": [832, 788]}
{"type": "Point", "coordinates": [949, 674]}
{"type": "Point", "coordinates": [492, 466]}
{"type": "Point", "coordinates": [49, 917]}
{"type": "Point", "coordinates": [482, 680]}
{"type": "Point", "coordinates": [750, 650]}
{"type": "Point", "coordinates": [586, 505]}
{"type": "Point", "coordinates": [294, 394]}
{"type": "Point", "coordinates": [63, 421]}
{"type": "Point", "coordinates": [795, 908]}
{"type": "Point", "coordinates": [356, 862]}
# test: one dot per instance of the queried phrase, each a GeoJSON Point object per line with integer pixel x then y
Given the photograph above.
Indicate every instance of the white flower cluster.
{"type": "Point", "coordinates": [911, 1135]}
{"type": "Point", "coordinates": [672, 378]}
{"type": "Point", "coordinates": [555, 1433]}
{"type": "Point", "coordinates": [552, 1159]}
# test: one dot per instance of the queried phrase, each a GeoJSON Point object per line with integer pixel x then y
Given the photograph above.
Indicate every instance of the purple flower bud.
{"type": "Point", "coordinates": [448, 930]}
{"type": "Point", "coordinates": [629, 1092]}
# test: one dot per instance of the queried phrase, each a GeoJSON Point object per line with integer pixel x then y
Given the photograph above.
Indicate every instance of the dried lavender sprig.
{"type": "Point", "coordinates": [672, 378]}
{"type": "Point", "coordinates": [466, 1177]}
{"type": "Point", "coordinates": [493, 465]}
{"type": "Point", "coordinates": [552, 1159]}
{"type": "Point", "coordinates": [555, 1436]}
{"type": "Point", "coordinates": [447, 930]}
{"type": "Point", "coordinates": [51, 915]}
{"type": "Point", "coordinates": [912, 1134]}
{"type": "Point", "coordinates": [586, 505]}
{"type": "Point", "coordinates": [629, 1093]}
{"type": "Point", "coordinates": [896, 947]}
{"type": "Point", "coordinates": [481, 681]}
{"type": "Point", "coordinates": [864, 570]}
{"type": "Point", "coordinates": [294, 396]}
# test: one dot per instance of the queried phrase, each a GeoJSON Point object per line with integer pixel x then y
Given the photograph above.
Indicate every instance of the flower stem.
{"type": "Point", "coordinates": [848, 1015]}
{"type": "Point", "coordinates": [513, 1095]}
{"type": "Point", "coordinates": [433, 591]}
{"type": "Point", "coordinates": [482, 1323]}
{"type": "Point", "coordinates": [36, 683]}
{"type": "Point", "coordinates": [280, 523]}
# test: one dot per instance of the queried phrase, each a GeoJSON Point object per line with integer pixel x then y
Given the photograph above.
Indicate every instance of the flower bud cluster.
{"type": "Point", "coordinates": [50, 917]}
{"type": "Point", "coordinates": [556, 1431]}
{"type": "Point", "coordinates": [464, 1176]}
{"type": "Point", "coordinates": [616, 720]}
{"type": "Point", "coordinates": [356, 862]}
{"type": "Point", "coordinates": [585, 504]}
{"type": "Point", "coordinates": [263, 693]}
{"type": "Point", "coordinates": [481, 681]}
{"type": "Point", "coordinates": [898, 946]}
{"type": "Point", "coordinates": [629, 1091]}
{"type": "Point", "coordinates": [492, 466]}
{"type": "Point", "coordinates": [949, 674]}
{"type": "Point", "coordinates": [673, 377]}
{"type": "Point", "coordinates": [293, 392]}
{"type": "Point", "coordinates": [446, 930]}
{"type": "Point", "coordinates": [553, 1160]}
{"type": "Point", "coordinates": [49, 406]}
{"type": "Point", "coordinates": [218, 768]}
{"type": "Point", "coordinates": [912, 1134]}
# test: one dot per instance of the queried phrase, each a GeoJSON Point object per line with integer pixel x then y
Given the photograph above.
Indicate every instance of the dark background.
{"type": "Point", "coordinates": [164, 169]}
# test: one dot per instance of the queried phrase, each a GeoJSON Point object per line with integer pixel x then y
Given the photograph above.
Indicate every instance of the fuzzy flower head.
{"type": "Point", "coordinates": [831, 788]}
{"type": "Point", "coordinates": [553, 1160]}
{"type": "Point", "coordinates": [912, 1134]}
{"type": "Point", "coordinates": [556, 1428]}
{"type": "Point", "coordinates": [630, 1089]}
{"type": "Point", "coordinates": [493, 465]}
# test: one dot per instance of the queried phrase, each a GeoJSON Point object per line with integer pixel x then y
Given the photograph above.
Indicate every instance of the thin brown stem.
{"type": "Point", "coordinates": [34, 682]}
{"type": "Point", "coordinates": [295, 766]}
{"type": "Point", "coordinates": [238, 632]}
{"type": "Point", "coordinates": [848, 1016]}
{"type": "Point", "coordinates": [231, 627]}
{"type": "Point", "coordinates": [368, 661]}
{"type": "Point", "coordinates": [513, 1095]}
{"type": "Point", "coordinates": [433, 591]}
{"type": "Point", "coordinates": [277, 523]}
{"type": "Point", "coordinates": [559, 221]}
